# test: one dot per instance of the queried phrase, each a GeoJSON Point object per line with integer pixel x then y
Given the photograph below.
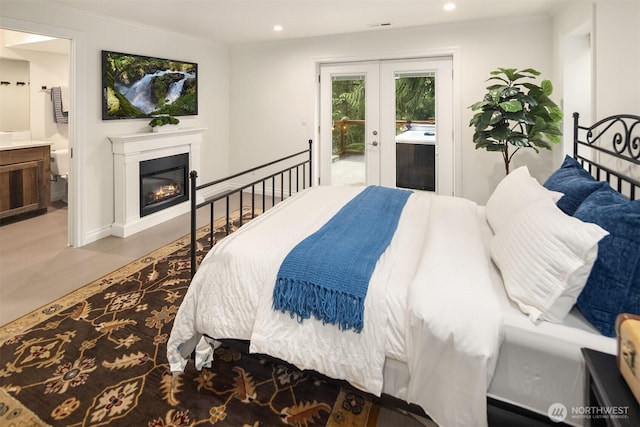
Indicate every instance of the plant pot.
{"type": "Point", "coordinates": [164, 128]}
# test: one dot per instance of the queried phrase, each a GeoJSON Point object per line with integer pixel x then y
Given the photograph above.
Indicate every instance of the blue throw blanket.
{"type": "Point", "coordinates": [327, 274]}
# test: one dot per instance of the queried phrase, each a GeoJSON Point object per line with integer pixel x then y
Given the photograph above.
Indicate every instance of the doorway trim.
{"type": "Point", "coordinates": [453, 53]}
{"type": "Point", "coordinates": [77, 105]}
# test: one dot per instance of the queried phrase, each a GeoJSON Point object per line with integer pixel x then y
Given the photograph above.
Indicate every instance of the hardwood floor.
{"type": "Point", "coordinates": [37, 266]}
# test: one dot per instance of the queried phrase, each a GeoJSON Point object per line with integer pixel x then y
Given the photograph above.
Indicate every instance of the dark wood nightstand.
{"type": "Point", "coordinates": [608, 397]}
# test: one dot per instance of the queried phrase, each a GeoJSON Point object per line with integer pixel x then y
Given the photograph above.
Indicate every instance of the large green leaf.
{"type": "Point", "coordinates": [478, 105]}
{"type": "Point", "coordinates": [519, 140]}
{"type": "Point", "coordinates": [489, 145]}
{"type": "Point", "coordinates": [500, 133]}
{"type": "Point", "coordinates": [489, 118]}
{"type": "Point", "coordinates": [511, 91]}
{"type": "Point", "coordinates": [527, 99]}
{"type": "Point", "coordinates": [542, 143]}
{"type": "Point", "coordinates": [531, 71]}
{"type": "Point", "coordinates": [495, 96]}
{"type": "Point", "coordinates": [547, 87]}
{"type": "Point", "coordinates": [499, 87]}
{"type": "Point", "coordinates": [512, 106]}
{"type": "Point", "coordinates": [502, 79]}
{"type": "Point", "coordinates": [556, 113]}
{"type": "Point", "coordinates": [508, 72]}
{"type": "Point", "coordinates": [521, 116]}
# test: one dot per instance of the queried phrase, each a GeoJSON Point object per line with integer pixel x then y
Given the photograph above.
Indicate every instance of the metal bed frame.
{"type": "Point", "coordinates": [296, 177]}
{"type": "Point", "coordinates": [591, 145]}
{"type": "Point", "coordinates": [610, 139]}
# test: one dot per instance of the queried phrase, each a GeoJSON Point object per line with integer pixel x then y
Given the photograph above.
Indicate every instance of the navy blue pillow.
{"type": "Point", "coordinates": [613, 287]}
{"type": "Point", "coordinates": [574, 182]}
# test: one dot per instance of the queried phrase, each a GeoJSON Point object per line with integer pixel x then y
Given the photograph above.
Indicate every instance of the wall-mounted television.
{"type": "Point", "coordinates": [135, 86]}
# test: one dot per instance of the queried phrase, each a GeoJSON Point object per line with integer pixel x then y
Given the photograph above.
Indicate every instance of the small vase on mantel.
{"type": "Point", "coordinates": [165, 128]}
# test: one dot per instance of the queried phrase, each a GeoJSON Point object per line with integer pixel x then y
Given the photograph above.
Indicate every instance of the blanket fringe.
{"type": "Point", "coordinates": [330, 306]}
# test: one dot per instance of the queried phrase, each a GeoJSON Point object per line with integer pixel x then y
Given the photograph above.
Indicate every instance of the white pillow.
{"type": "Point", "coordinates": [545, 257]}
{"type": "Point", "coordinates": [515, 191]}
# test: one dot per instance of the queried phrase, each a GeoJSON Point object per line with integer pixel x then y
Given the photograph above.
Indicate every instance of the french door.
{"type": "Point", "coordinates": [388, 123]}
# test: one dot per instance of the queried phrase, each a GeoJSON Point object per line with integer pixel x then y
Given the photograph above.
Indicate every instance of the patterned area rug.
{"type": "Point", "coordinates": [98, 357]}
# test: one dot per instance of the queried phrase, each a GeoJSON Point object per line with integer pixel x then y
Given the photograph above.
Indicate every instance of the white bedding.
{"type": "Point", "coordinates": [430, 304]}
{"type": "Point", "coordinates": [541, 363]}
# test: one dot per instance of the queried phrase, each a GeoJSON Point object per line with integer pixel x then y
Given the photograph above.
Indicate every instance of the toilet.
{"type": "Point", "coordinates": [60, 167]}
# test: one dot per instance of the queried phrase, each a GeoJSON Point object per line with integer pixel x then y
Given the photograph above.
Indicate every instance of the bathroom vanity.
{"type": "Point", "coordinates": [24, 177]}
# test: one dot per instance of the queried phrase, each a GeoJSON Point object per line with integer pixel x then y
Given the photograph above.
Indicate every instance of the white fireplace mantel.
{"type": "Point", "coordinates": [128, 151]}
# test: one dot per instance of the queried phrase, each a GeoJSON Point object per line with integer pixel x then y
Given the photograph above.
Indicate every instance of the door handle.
{"type": "Point", "coordinates": [374, 143]}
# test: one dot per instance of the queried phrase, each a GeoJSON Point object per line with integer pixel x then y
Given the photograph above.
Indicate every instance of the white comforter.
{"type": "Point", "coordinates": [430, 303]}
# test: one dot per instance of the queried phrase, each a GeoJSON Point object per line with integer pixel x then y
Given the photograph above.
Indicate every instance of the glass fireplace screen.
{"type": "Point", "coordinates": [163, 183]}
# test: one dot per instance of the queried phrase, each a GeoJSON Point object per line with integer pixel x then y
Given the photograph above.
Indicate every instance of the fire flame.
{"type": "Point", "coordinates": [165, 191]}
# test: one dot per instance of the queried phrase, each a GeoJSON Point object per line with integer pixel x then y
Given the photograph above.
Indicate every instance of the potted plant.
{"type": "Point", "coordinates": [164, 123]}
{"type": "Point", "coordinates": [516, 113]}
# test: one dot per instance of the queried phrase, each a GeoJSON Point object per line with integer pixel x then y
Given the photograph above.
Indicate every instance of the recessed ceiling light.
{"type": "Point", "coordinates": [449, 6]}
{"type": "Point", "coordinates": [278, 28]}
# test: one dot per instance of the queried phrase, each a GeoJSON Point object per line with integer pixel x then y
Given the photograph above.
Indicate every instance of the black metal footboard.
{"type": "Point", "coordinates": [286, 182]}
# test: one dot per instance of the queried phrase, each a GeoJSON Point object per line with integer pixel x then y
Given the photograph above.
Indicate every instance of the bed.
{"type": "Point", "coordinates": [498, 305]}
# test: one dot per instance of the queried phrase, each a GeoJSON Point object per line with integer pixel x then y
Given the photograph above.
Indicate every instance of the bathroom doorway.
{"type": "Point", "coordinates": [48, 62]}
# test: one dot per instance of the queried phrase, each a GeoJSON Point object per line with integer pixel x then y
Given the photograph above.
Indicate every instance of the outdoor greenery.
{"type": "Point", "coordinates": [415, 100]}
{"type": "Point", "coordinates": [516, 113]}
{"type": "Point", "coordinates": [348, 104]}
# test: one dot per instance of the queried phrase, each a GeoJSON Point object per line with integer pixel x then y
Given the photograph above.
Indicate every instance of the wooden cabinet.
{"type": "Point", "coordinates": [24, 180]}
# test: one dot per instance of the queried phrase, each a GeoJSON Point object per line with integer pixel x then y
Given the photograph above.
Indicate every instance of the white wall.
{"type": "Point", "coordinates": [88, 132]}
{"type": "Point", "coordinates": [14, 99]}
{"type": "Point", "coordinates": [255, 98]}
{"type": "Point", "coordinates": [573, 66]}
{"type": "Point", "coordinates": [273, 87]}
{"type": "Point", "coordinates": [597, 57]}
{"type": "Point", "coordinates": [617, 58]}
{"type": "Point", "coordinates": [50, 70]}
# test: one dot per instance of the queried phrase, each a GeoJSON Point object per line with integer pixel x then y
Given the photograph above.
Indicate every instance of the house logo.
{"type": "Point", "coordinates": [557, 412]}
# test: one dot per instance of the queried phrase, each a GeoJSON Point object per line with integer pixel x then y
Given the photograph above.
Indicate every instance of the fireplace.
{"type": "Point", "coordinates": [163, 183]}
{"type": "Point", "coordinates": [134, 157]}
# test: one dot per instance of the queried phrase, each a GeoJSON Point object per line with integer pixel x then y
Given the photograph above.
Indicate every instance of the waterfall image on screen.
{"type": "Point", "coordinates": [141, 86]}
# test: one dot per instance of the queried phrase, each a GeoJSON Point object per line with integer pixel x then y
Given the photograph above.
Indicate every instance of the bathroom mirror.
{"type": "Point", "coordinates": [14, 95]}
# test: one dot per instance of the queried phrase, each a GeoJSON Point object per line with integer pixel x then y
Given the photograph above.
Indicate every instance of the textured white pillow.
{"type": "Point", "coordinates": [515, 191]}
{"type": "Point", "coordinates": [545, 257]}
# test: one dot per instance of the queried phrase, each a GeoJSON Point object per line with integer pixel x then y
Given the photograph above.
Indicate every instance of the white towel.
{"type": "Point", "coordinates": [59, 115]}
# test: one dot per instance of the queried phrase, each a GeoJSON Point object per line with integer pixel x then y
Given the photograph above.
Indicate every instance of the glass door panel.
{"type": "Point", "coordinates": [415, 130]}
{"type": "Point", "coordinates": [348, 124]}
{"type": "Point", "coordinates": [349, 103]}
{"type": "Point", "coordinates": [416, 104]}
{"type": "Point", "coordinates": [388, 123]}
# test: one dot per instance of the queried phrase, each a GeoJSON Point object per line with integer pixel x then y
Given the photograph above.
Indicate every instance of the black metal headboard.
{"type": "Point", "coordinates": [610, 150]}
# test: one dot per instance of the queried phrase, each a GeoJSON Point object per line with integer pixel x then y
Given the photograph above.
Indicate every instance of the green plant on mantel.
{"type": "Point", "coordinates": [163, 120]}
{"type": "Point", "coordinates": [516, 113]}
